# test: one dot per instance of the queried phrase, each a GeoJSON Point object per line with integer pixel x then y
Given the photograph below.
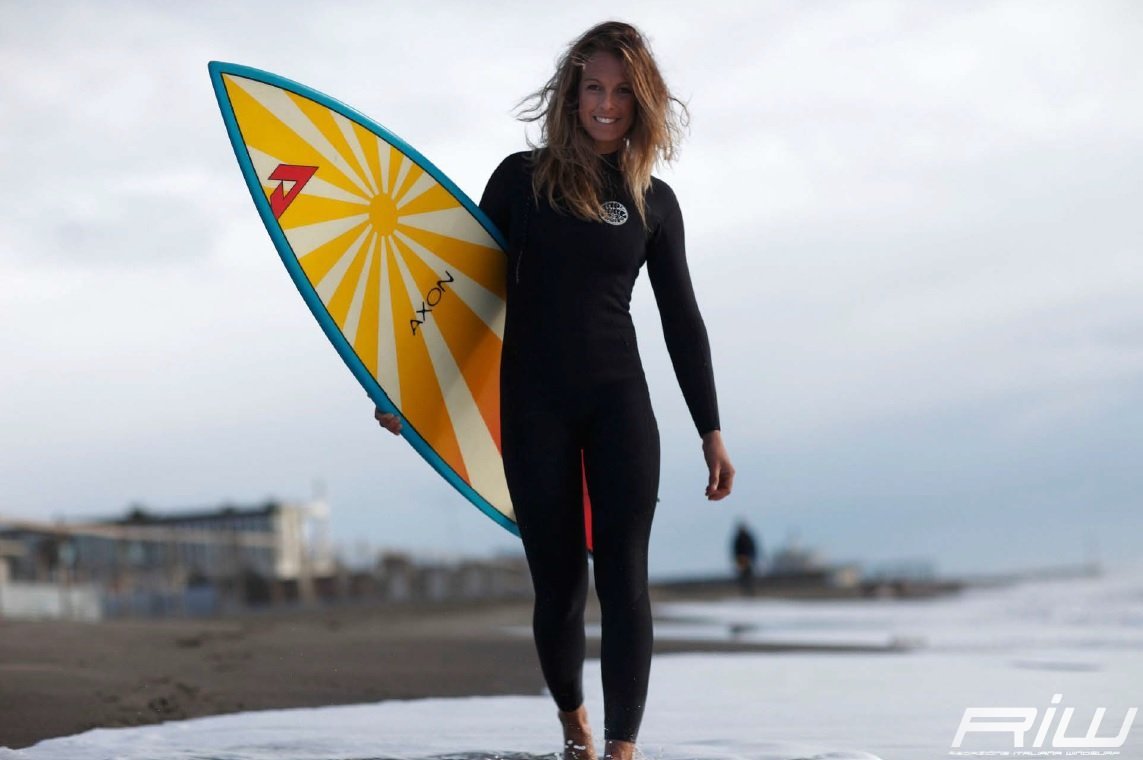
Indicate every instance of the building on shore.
{"type": "Point", "coordinates": [220, 562]}
{"type": "Point", "coordinates": [147, 562]}
{"type": "Point", "coordinates": [400, 577]}
{"type": "Point", "coordinates": [10, 551]}
{"type": "Point", "coordinates": [792, 565]}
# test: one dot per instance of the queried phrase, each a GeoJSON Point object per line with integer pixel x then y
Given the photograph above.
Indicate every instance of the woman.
{"type": "Point", "coordinates": [582, 213]}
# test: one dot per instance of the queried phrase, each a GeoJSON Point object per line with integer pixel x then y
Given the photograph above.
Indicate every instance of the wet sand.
{"type": "Point", "coordinates": [59, 678]}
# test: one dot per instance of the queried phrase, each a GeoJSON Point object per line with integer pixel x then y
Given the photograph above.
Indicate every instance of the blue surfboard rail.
{"type": "Point", "coordinates": [309, 295]}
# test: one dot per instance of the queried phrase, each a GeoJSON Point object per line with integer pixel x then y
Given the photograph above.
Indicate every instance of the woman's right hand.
{"type": "Point", "coordinates": [390, 422]}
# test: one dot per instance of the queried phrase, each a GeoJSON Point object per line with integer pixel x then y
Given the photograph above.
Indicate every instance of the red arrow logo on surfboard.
{"type": "Point", "coordinates": [280, 200]}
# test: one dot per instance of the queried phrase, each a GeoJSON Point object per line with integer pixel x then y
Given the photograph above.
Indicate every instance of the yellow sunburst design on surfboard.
{"type": "Point", "coordinates": [411, 279]}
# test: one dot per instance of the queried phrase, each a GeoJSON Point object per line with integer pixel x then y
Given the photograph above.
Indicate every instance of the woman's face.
{"type": "Point", "coordinates": [606, 101]}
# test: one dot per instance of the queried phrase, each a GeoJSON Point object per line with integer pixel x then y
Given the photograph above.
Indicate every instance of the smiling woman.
{"type": "Point", "coordinates": [607, 74]}
{"type": "Point", "coordinates": [575, 405]}
{"type": "Point", "coordinates": [606, 101]}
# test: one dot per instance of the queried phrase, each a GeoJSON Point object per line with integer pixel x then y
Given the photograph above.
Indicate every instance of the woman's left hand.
{"type": "Point", "coordinates": [721, 478]}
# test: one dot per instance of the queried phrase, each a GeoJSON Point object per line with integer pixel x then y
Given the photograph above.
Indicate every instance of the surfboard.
{"type": "Point", "coordinates": [404, 273]}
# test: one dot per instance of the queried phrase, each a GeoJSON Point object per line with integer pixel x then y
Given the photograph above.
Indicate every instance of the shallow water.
{"type": "Point", "coordinates": [1017, 646]}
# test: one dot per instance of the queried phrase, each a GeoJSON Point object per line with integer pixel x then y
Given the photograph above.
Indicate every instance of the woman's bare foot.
{"type": "Point", "coordinates": [578, 744]}
{"type": "Point", "coordinates": [619, 750]}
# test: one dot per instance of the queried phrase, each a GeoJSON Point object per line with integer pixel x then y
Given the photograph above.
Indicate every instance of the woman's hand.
{"type": "Point", "coordinates": [390, 422]}
{"type": "Point", "coordinates": [718, 463]}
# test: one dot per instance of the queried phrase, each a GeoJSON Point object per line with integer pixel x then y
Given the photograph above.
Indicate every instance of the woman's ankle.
{"type": "Point", "coordinates": [618, 750]}
{"type": "Point", "coordinates": [578, 743]}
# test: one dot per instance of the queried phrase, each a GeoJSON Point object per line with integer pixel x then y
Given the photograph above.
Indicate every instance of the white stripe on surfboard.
{"type": "Point", "coordinates": [477, 448]}
{"type": "Point", "coordinates": [353, 318]}
{"type": "Point", "coordinates": [487, 305]}
{"type": "Point", "coordinates": [350, 135]}
{"type": "Point", "coordinates": [402, 172]}
{"type": "Point", "coordinates": [265, 164]}
{"type": "Point", "coordinates": [423, 183]}
{"type": "Point", "coordinates": [452, 222]}
{"type": "Point", "coordinates": [383, 149]}
{"type": "Point", "coordinates": [387, 375]}
{"type": "Point", "coordinates": [309, 237]}
{"type": "Point", "coordinates": [277, 101]}
{"type": "Point", "coordinates": [328, 285]}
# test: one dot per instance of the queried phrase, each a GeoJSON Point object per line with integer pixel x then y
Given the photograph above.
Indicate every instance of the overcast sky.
{"type": "Point", "coordinates": [914, 228]}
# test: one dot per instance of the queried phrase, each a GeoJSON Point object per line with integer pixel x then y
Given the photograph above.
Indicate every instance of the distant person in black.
{"type": "Point", "coordinates": [582, 214]}
{"type": "Point", "coordinates": [745, 552]}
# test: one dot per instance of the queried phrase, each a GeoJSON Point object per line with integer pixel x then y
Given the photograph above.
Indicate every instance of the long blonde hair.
{"type": "Point", "coordinates": [566, 167]}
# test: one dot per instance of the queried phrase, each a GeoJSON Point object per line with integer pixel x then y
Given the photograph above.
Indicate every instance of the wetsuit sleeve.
{"type": "Point", "coordinates": [683, 327]}
{"type": "Point", "coordinates": [496, 202]}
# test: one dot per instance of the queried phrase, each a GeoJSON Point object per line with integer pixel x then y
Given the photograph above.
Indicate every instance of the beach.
{"type": "Point", "coordinates": [59, 678]}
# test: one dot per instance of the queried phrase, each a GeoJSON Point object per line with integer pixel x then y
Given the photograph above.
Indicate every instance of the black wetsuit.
{"type": "Point", "coordinates": [571, 381]}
